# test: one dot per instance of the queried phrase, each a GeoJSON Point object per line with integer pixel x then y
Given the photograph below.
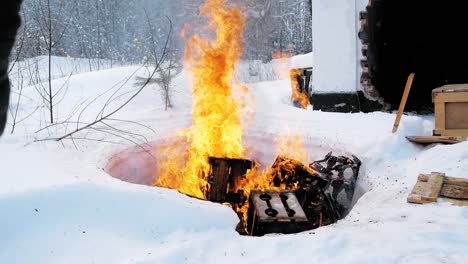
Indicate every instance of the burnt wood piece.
{"type": "Point", "coordinates": [218, 180]}
{"type": "Point", "coordinates": [275, 212]}
{"type": "Point", "coordinates": [222, 179]}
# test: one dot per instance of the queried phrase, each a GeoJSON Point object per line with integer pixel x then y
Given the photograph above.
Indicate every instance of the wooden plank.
{"type": "Point", "coordinates": [219, 181]}
{"type": "Point", "coordinates": [435, 139]}
{"type": "Point", "coordinates": [427, 189]}
{"type": "Point", "coordinates": [447, 179]}
{"type": "Point", "coordinates": [451, 132]}
{"type": "Point", "coordinates": [456, 181]}
{"type": "Point", "coordinates": [451, 88]}
{"type": "Point", "coordinates": [454, 191]}
{"type": "Point", "coordinates": [450, 97]}
{"type": "Point", "coordinates": [439, 112]}
{"type": "Point", "coordinates": [423, 177]}
{"type": "Point", "coordinates": [436, 180]}
{"type": "Point", "coordinates": [409, 83]}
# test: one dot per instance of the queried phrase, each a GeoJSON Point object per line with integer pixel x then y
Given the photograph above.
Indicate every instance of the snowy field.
{"type": "Point", "coordinates": [59, 205]}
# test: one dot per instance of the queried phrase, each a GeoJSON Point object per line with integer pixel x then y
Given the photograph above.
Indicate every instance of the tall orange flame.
{"type": "Point", "coordinates": [216, 126]}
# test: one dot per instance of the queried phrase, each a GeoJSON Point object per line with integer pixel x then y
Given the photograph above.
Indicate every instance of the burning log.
{"type": "Point", "coordinates": [222, 179]}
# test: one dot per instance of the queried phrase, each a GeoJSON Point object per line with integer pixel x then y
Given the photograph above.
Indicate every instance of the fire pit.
{"type": "Point", "coordinates": [286, 197]}
{"type": "Point", "coordinates": [213, 159]}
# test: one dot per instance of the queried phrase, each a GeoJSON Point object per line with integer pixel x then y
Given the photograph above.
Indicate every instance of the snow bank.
{"type": "Point", "coordinates": [303, 61]}
{"type": "Point", "coordinates": [36, 70]}
{"type": "Point", "coordinates": [60, 207]}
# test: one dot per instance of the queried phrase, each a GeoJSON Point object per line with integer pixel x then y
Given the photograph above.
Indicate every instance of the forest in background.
{"type": "Point", "coordinates": [132, 30]}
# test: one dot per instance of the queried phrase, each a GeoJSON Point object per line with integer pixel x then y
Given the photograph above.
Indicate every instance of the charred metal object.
{"type": "Point", "coordinates": [340, 172]}
{"type": "Point", "coordinates": [275, 212]}
{"type": "Point", "coordinates": [311, 196]}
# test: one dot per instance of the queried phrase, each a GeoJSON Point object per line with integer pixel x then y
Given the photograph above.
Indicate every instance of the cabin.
{"type": "Point", "coordinates": [364, 51]}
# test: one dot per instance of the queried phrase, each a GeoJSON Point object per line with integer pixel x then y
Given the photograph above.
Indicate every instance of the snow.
{"type": "Point", "coordinates": [277, 69]}
{"type": "Point", "coordinates": [59, 205]}
{"type": "Point", "coordinates": [303, 60]}
{"type": "Point", "coordinates": [36, 69]}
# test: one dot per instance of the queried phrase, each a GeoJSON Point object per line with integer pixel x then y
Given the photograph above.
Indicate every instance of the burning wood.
{"type": "Point", "coordinates": [224, 174]}
{"type": "Point", "coordinates": [301, 197]}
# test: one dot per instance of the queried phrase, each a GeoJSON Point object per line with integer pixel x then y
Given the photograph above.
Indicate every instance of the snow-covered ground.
{"type": "Point", "coordinates": [59, 205]}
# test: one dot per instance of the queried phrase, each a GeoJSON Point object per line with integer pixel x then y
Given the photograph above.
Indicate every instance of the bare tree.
{"type": "Point", "coordinates": [52, 26]}
{"type": "Point", "coordinates": [101, 123]}
{"type": "Point", "coordinates": [166, 74]}
{"type": "Point", "coordinates": [167, 70]}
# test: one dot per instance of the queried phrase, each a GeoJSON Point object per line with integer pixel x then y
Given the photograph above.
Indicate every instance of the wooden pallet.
{"type": "Point", "coordinates": [430, 187]}
{"type": "Point", "coordinates": [427, 189]}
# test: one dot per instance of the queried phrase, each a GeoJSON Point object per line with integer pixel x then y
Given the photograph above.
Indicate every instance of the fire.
{"type": "Point", "coordinates": [291, 146]}
{"type": "Point", "coordinates": [297, 96]}
{"type": "Point", "coordinates": [282, 66]}
{"type": "Point", "coordinates": [216, 126]}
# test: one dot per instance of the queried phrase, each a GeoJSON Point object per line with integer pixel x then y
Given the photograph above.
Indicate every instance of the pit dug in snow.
{"type": "Point", "coordinates": [298, 197]}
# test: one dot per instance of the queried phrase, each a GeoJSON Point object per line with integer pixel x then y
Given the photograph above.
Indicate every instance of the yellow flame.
{"type": "Point", "coordinates": [216, 126]}
{"type": "Point", "coordinates": [293, 147]}
{"type": "Point", "coordinates": [297, 95]}
{"type": "Point", "coordinates": [217, 129]}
